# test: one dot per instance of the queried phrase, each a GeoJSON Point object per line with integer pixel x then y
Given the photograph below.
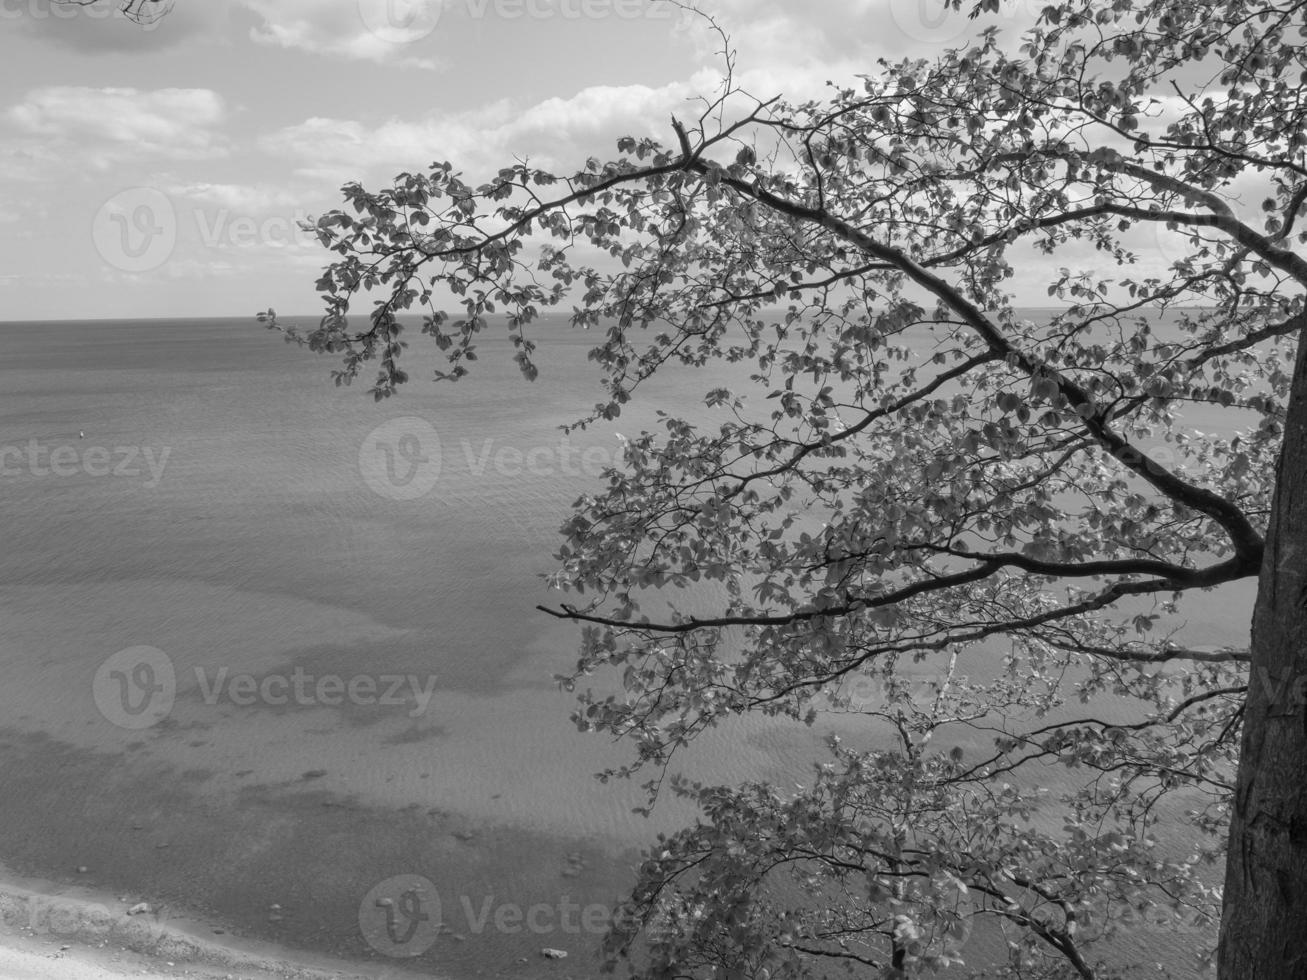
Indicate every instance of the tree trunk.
{"type": "Point", "coordinates": [1264, 924]}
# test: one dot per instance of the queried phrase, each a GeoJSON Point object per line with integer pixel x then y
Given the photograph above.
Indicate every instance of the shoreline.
{"type": "Point", "coordinates": [292, 864]}
{"type": "Point", "coordinates": [55, 930]}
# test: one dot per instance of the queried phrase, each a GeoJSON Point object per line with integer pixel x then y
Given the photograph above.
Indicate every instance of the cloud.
{"type": "Point", "coordinates": [384, 31]}
{"type": "Point", "coordinates": [100, 126]}
{"type": "Point", "coordinates": [241, 198]}
{"type": "Point", "coordinates": [847, 36]}
{"type": "Point", "coordinates": [26, 159]}
{"type": "Point", "coordinates": [555, 133]}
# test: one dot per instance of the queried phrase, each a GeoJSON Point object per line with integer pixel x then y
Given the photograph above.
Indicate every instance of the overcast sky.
{"type": "Point", "coordinates": [160, 172]}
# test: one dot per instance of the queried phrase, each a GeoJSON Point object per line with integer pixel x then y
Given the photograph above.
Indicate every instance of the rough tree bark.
{"type": "Point", "coordinates": [1264, 923]}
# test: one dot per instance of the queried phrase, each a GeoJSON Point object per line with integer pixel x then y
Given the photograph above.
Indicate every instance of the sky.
{"type": "Point", "coordinates": [162, 171]}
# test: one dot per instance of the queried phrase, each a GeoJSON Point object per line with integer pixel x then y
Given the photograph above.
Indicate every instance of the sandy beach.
{"type": "Point", "coordinates": [23, 958]}
{"type": "Point", "coordinates": [60, 932]}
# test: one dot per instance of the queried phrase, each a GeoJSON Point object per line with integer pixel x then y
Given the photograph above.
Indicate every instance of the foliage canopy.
{"type": "Point", "coordinates": [915, 473]}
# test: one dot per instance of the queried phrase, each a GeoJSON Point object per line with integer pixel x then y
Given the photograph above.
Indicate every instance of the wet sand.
{"type": "Point", "coordinates": [50, 931]}
{"type": "Point", "coordinates": [294, 866]}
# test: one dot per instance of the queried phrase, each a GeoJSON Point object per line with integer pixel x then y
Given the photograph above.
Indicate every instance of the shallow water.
{"type": "Point", "coordinates": [217, 501]}
{"type": "Point", "coordinates": [210, 503]}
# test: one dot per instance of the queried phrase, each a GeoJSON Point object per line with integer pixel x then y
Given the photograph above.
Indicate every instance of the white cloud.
{"type": "Point", "coordinates": [366, 30]}
{"type": "Point", "coordinates": [555, 133]}
{"type": "Point", "coordinates": [243, 198]}
{"type": "Point", "coordinates": [27, 159]}
{"type": "Point", "coordinates": [105, 125]}
{"type": "Point", "coordinates": [847, 36]}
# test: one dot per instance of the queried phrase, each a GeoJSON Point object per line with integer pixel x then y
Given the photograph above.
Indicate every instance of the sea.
{"type": "Point", "coordinates": [272, 653]}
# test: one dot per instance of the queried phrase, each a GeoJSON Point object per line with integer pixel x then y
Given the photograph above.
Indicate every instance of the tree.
{"type": "Point", "coordinates": [143, 12]}
{"type": "Point", "coordinates": [916, 471]}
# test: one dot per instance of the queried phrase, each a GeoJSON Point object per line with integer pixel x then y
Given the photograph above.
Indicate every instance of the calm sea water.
{"type": "Point", "coordinates": [213, 496]}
